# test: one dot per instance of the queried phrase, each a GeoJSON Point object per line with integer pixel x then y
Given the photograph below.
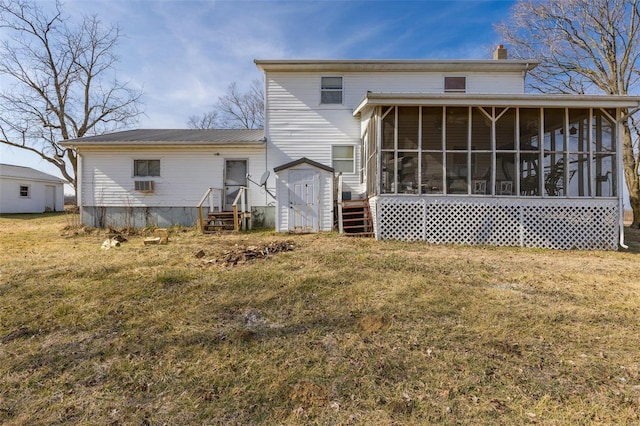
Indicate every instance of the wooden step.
{"type": "Point", "coordinates": [222, 221]}
{"type": "Point", "coordinates": [218, 221]}
{"type": "Point", "coordinates": [220, 214]}
{"type": "Point", "coordinates": [358, 234]}
{"type": "Point", "coordinates": [356, 218]}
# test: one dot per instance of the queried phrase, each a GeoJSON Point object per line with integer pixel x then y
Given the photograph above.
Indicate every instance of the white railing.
{"type": "Point", "coordinates": [339, 198]}
{"type": "Point", "coordinates": [214, 197]}
{"type": "Point", "coordinates": [243, 215]}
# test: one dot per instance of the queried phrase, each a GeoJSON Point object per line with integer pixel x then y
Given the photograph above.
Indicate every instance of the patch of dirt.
{"type": "Point", "coordinates": [309, 395]}
{"type": "Point", "coordinates": [373, 323]}
{"type": "Point", "coordinates": [239, 255]}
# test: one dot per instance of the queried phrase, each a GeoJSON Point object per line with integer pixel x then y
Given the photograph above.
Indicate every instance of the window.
{"type": "Point", "coordinates": [343, 158]}
{"type": "Point", "coordinates": [331, 90]}
{"type": "Point", "coordinates": [24, 191]}
{"type": "Point", "coordinates": [142, 168]}
{"type": "Point", "coordinates": [455, 84]}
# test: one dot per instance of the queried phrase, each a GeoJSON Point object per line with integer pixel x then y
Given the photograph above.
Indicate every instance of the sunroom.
{"type": "Point", "coordinates": [517, 170]}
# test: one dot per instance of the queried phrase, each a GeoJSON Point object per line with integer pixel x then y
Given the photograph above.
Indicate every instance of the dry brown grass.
{"type": "Point", "coordinates": [336, 331]}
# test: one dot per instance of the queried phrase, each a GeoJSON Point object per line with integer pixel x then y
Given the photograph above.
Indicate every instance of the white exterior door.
{"type": "Point", "coordinates": [235, 176]}
{"type": "Point", "coordinates": [50, 198]}
{"type": "Point", "coordinates": [304, 203]}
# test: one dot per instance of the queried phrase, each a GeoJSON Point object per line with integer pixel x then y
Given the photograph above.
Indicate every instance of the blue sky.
{"type": "Point", "coordinates": [184, 54]}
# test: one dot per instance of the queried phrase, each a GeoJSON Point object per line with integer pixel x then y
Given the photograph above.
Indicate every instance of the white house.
{"type": "Point", "coordinates": [445, 151]}
{"type": "Point", "coordinates": [25, 190]}
{"type": "Point", "coordinates": [158, 177]}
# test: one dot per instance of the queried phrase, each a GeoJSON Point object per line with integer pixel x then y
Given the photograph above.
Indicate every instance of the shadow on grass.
{"type": "Point", "coordinates": [632, 239]}
{"type": "Point", "coordinates": [31, 216]}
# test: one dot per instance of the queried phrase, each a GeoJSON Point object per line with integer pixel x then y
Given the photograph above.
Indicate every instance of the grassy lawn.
{"type": "Point", "coordinates": [335, 331]}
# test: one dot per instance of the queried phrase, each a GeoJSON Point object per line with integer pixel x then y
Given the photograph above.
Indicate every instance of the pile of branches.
{"type": "Point", "coordinates": [240, 255]}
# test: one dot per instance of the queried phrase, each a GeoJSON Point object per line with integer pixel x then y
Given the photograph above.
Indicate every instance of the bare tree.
{"type": "Point", "coordinates": [208, 120]}
{"type": "Point", "coordinates": [59, 82]}
{"type": "Point", "coordinates": [234, 110]}
{"type": "Point", "coordinates": [584, 46]}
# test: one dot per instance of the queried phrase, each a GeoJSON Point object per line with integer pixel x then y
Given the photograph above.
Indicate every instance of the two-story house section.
{"type": "Point", "coordinates": [448, 151]}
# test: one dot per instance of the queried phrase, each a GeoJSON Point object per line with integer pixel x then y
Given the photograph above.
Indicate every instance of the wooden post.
{"type": "Point", "coordinates": [340, 225]}
{"type": "Point", "coordinates": [236, 219]}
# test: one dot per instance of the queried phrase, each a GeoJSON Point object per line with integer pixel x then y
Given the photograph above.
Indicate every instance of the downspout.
{"type": "Point", "coordinates": [266, 138]}
{"type": "Point", "coordinates": [620, 179]}
{"type": "Point", "coordinates": [79, 178]}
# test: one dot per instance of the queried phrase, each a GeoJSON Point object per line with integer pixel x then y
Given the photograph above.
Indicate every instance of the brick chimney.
{"type": "Point", "coordinates": [500, 52]}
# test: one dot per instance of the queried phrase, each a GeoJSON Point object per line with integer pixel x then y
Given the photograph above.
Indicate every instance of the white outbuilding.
{"type": "Point", "coordinates": [304, 196]}
{"type": "Point", "coordinates": [26, 190]}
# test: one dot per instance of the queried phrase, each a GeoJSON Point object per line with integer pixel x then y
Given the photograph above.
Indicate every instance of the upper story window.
{"type": "Point", "coordinates": [455, 84]}
{"type": "Point", "coordinates": [144, 168]}
{"type": "Point", "coordinates": [24, 191]}
{"type": "Point", "coordinates": [331, 90]}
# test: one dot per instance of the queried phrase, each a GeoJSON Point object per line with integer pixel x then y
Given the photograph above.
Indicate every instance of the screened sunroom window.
{"type": "Point", "coordinates": [498, 151]}
{"type": "Point", "coordinates": [603, 163]}
{"type": "Point", "coordinates": [331, 90]}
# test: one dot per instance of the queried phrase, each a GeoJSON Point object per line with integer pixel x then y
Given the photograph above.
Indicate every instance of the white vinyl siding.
{"type": "Point", "coordinates": [186, 175]}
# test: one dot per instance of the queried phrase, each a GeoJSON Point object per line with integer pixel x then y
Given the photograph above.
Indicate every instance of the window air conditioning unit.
{"type": "Point", "coordinates": [144, 186]}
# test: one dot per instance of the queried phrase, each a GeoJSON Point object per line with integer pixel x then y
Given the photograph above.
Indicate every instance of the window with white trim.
{"type": "Point", "coordinates": [146, 168]}
{"type": "Point", "coordinates": [343, 158]}
{"type": "Point", "coordinates": [331, 90]}
{"type": "Point", "coordinates": [24, 191]}
{"type": "Point", "coordinates": [455, 84]}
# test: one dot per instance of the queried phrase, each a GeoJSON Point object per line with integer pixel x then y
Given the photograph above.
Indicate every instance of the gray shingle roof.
{"type": "Point", "coordinates": [173, 137]}
{"type": "Point", "coordinates": [21, 172]}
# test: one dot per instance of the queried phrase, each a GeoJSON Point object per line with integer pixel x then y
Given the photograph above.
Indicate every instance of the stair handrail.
{"type": "Point", "coordinates": [242, 196]}
{"type": "Point", "coordinates": [340, 224]}
{"type": "Point", "coordinates": [207, 196]}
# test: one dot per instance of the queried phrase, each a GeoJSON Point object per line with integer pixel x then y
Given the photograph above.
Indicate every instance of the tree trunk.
{"type": "Point", "coordinates": [631, 174]}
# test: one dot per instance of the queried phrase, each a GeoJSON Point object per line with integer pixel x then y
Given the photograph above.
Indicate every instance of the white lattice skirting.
{"type": "Point", "coordinates": [545, 223]}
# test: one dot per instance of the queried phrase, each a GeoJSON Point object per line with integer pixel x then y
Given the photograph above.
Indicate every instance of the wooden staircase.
{"type": "Point", "coordinates": [219, 221]}
{"type": "Point", "coordinates": [355, 217]}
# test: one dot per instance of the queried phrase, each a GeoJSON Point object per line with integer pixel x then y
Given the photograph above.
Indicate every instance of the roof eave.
{"type": "Point", "coordinates": [503, 100]}
{"type": "Point", "coordinates": [179, 144]}
{"type": "Point", "coordinates": [394, 65]}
